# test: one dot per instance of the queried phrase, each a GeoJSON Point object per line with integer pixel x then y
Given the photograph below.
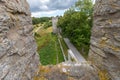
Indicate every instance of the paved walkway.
{"type": "Point", "coordinates": [76, 53]}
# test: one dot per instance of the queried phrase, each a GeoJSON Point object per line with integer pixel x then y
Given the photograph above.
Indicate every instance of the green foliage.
{"type": "Point", "coordinates": [45, 21]}
{"type": "Point", "coordinates": [51, 52]}
{"type": "Point", "coordinates": [47, 24]}
{"type": "Point", "coordinates": [40, 20]}
{"type": "Point", "coordinates": [65, 47]}
{"type": "Point", "coordinates": [48, 47]}
{"type": "Point", "coordinates": [84, 6]}
{"type": "Point", "coordinates": [76, 24]}
{"type": "Point", "coordinates": [37, 35]}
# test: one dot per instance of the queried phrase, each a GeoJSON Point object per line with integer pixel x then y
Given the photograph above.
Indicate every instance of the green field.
{"type": "Point", "coordinates": [48, 47]}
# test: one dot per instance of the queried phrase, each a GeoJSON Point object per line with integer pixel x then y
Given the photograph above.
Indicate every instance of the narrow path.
{"type": "Point", "coordinates": [38, 29]}
{"type": "Point", "coordinates": [76, 53]}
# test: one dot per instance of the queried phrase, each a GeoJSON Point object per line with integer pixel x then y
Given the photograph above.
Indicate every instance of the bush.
{"type": "Point", "coordinates": [47, 24]}
{"type": "Point", "coordinates": [76, 24]}
{"type": "Point", "coordinates": [40, 20]}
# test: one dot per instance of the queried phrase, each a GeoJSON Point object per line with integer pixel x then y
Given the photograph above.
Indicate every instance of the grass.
{"type": "Point", "coordinates": [65, 48]}
{"type": "Point", "coordinates": [48, 47]}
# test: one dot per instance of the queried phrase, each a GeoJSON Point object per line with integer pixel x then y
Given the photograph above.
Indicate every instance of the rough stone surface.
{"type": "Point", "coordinates": [67, 71]}
{"type": "Point", "coordinates": [105, 39]}
{"type": "Point", "coordinates": [54, 24]}
{"type": "Point", "coordinates": [18, 58]}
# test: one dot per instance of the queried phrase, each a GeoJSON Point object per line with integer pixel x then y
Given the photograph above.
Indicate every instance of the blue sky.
{"type": "Point", "coordinates": [41, 8]}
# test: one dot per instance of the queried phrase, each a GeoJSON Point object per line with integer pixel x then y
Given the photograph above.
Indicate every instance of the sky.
{"type": "Point", "coordinates": [43, 8]}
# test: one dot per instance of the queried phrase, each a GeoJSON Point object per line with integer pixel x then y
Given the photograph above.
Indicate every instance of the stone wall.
{"type": "Point", "coordinates": [18, 57]}
{"type": "Point", "coordinates": [105, 40]}
{"type": "Point", "coordinates": [54, 24]}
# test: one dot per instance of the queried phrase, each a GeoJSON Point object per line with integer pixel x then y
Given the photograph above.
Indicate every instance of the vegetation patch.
{"type": "Point", "coordinates": [65, 47]}
{"type": "Point", "coordinates": [45, 21]}
{"type": "Point", "coordinates": [76, 25]}
{"type": "Point", "coordinates": [48, 47]}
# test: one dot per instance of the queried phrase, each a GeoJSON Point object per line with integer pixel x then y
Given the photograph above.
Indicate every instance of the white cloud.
{"type": "Point", "coordinates": [41, 8]}
{"type": "Point", "coordinates": [44, 1]}
{"type": "Point", "coordinates": [48, 13]}
{"type": "Point", "coordinates": [41, 5]}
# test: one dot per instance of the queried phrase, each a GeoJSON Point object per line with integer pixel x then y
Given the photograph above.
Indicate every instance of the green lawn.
{"type": "Point", "coordinates": [49, 49]}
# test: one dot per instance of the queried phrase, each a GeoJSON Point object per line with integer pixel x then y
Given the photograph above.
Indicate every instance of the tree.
{"type": "Point", "coordinates": [84, 6]}
{"type": "Point", "coordinates": [40, 20]}
{"type": "Point", "coordinates": [76, 24]}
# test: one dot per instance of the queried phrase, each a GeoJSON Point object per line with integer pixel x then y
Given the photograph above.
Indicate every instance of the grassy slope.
{"type": "Point", "coordinates": [48, 47]}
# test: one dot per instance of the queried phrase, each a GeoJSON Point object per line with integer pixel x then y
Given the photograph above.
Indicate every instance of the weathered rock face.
{"type": "Point", "coordinates": [83, 71]}
{"type": "Point", "coordinates": [54, 24]}
{"type": "Point", "coordinates": [18, 58]}
{"type": "Point", "coordinates": [105, 40]}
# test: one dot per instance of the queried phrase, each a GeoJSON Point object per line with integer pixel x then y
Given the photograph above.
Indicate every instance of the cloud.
{"type": "Point", "coordinates": [40, 8]}
{"type": "Point", "coordinates": [60, 4]}
{"type": "Point", "coordinates": [48, 13]}
{"type": "Point", "coordinates": [48, 5]}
